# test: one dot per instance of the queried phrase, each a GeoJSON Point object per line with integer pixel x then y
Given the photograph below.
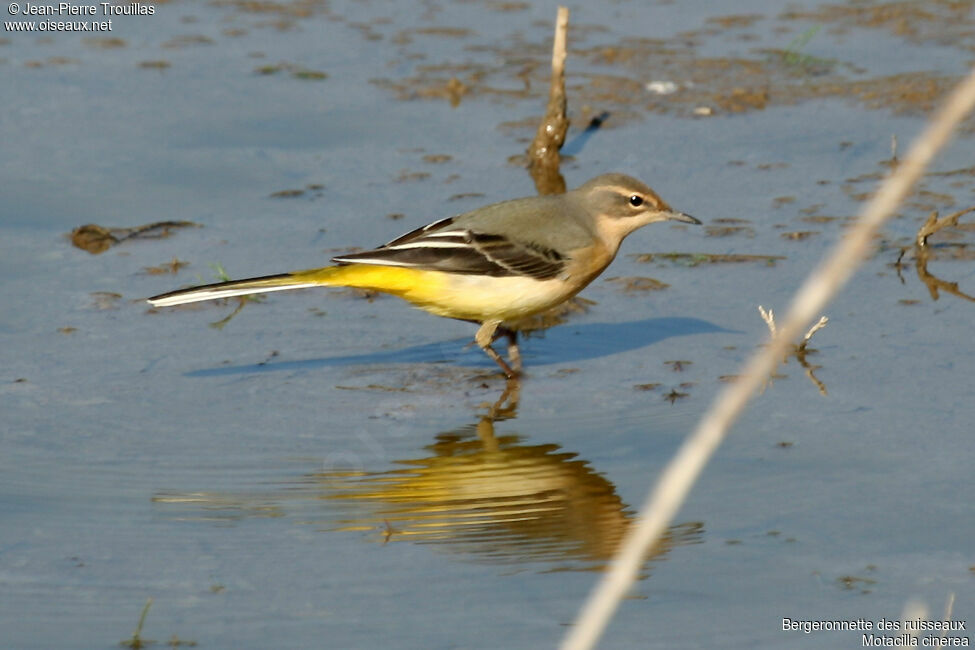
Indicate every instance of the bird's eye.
{"type": "Point", "coordinates": [636, 200]}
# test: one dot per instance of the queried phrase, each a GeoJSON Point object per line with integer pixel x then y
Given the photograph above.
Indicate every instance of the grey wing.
{"type": "Point", "coordinates": [439, 247]}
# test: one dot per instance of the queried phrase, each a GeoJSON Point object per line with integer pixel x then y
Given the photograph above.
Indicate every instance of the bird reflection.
{"type": "Point", "coordinates": [491, 497]}
{"type": "Point", "coordinates": [494, 497]}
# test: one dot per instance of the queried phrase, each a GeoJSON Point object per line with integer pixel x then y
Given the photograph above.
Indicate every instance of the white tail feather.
{"type": "Point", "coordinates": [215, 292]}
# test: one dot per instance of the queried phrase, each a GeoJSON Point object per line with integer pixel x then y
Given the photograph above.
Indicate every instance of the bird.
{"type": "Point", "coordinates": [491, 266]}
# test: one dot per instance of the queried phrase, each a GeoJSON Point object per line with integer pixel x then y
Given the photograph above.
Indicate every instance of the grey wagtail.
{"type": "Point", "coordinates": [493, 265]}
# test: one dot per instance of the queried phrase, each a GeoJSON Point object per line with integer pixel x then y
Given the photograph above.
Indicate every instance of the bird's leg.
{"type": "Point", "coordinates": [485, 337]}
{"type": "Point", "coordinates": [514, 354]}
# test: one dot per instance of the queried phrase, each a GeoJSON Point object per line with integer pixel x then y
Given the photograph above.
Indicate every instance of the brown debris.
{"type": "Point", "coordinates": [639, 284]}
{"type": "Point", "coordinates": [696, 259]}
{"type": "Point", "coordinates": [728, 231]}
{"type": "Point", "coordinates": [105, 299]}
{"type": "Point", "coordinates": [798, 235]}
{"type": "Point", "coordinates": [645, 387]}
{"type": "Point", "coordinates": [97, 239]}
{"type": "Point", "coordinates": [173, 266]}
{"type": "Point", "coordinates": [674, 395]}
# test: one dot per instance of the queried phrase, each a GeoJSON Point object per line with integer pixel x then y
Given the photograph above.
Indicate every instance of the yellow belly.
{"type": "Point", "coordinates": [468, 297]}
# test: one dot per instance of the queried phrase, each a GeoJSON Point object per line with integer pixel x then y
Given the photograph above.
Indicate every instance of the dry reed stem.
{"type": "Point", "coordinates": [679, 476]}
{"type": "Point", "coordinates": [543, 153]}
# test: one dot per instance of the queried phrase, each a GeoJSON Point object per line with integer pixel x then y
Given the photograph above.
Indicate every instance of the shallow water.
{"type": "Point", "coordinates": [320, 470]}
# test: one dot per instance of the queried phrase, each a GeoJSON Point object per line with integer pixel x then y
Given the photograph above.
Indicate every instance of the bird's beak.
{"type": "Point", "coordinates": [683, 218]}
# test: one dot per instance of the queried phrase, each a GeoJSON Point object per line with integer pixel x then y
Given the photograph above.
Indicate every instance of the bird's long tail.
{"type": "Point", "coordinates": [397, 281]}
{"type": "Point", "coordinates": [328, 276]}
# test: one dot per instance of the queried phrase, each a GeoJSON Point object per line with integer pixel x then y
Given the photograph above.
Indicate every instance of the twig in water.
{"type": "Point", "coordinates": [934, 224]}
{"type": "Point", "coordinates": [543, 154]}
